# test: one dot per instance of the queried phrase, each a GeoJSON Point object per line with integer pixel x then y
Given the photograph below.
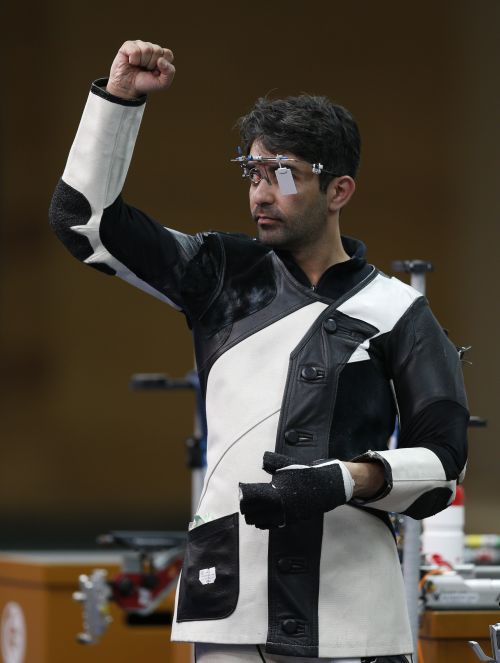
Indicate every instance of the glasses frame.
{"type": "Point", "coordinates": [245, 161]}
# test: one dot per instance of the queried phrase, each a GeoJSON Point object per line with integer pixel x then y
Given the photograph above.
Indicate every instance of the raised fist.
{"type": "Point", "coordinates": [139, 68]}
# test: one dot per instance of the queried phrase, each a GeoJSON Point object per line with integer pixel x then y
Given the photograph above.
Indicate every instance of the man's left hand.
{"type": "Point", "coordinates": [296, 492]}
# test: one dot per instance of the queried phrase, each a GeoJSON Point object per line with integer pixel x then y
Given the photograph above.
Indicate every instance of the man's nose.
{"type": "Point", "coordinates": [262, 193]}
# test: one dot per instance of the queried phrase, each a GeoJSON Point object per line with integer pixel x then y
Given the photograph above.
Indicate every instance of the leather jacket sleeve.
{"type": "Point", "coordinates": [424, 366]}
{"type": "Point", "coordinates": [91, 219]}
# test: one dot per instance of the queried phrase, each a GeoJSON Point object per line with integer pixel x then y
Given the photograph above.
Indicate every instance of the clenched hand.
{"type": "Point", "coordinates": [139, 68]}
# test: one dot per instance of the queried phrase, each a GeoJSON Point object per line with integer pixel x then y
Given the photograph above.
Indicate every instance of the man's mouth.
{"type": "Point", "coordinates": [266, 220]}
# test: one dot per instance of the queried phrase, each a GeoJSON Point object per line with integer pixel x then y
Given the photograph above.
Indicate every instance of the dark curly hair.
{"type": "Point", "coordinates": [311, 127]}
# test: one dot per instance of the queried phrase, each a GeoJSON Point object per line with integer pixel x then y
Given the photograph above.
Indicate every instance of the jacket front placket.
{"type": "Point", "coordinates": [303, 434]}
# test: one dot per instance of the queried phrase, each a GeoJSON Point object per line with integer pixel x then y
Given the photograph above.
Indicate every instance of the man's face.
{"type": "Point", "coordinates": [287, 222]}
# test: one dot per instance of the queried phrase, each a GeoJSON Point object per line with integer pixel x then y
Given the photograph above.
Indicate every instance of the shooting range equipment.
{"type": "Point", "coordinates": [153, 560]}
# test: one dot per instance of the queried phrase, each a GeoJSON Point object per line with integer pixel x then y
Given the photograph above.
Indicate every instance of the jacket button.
{"type": "Point", "coordinates": [284, 564]}
{"type": "Point", "coordinates": [289, 626]}
{"type": "Point", "coordinates": [330, 325]}
{"type": "Point", "coordinates": [292, 436]}
{"type": "Point", "coordinates": [309, 373]}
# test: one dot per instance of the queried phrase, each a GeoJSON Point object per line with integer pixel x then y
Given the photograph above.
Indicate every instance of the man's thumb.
{"type": "Point", "coordinates": [273, 461]}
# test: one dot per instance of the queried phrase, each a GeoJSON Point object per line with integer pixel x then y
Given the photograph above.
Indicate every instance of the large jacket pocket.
{"type": "Point", "coordinates": [210, 579]}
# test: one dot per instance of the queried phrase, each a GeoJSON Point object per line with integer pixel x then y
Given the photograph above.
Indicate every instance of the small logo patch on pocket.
{"type": "Point", "coordinates": [207, 576]}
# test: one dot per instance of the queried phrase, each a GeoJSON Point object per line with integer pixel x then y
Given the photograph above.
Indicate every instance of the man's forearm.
{"type": "Point", "coordinates": [368, 478]}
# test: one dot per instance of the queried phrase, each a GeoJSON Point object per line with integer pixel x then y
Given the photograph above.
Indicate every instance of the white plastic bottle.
{"type": "Point", "coordinates": [443, 534]}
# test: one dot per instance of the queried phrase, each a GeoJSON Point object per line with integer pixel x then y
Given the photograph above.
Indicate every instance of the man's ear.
{"type": "Point", "coordinates": [339, 192]}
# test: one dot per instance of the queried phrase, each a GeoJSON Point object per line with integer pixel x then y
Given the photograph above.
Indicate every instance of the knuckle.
{"type": "Point", "coordinates": [128, 47]}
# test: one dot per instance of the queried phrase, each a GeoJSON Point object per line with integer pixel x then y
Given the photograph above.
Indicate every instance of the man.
{"type": "Point", "coordinates": [305, 354]}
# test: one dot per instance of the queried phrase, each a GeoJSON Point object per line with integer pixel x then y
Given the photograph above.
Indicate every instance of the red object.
{"type": "Point", "coordinates": [459, 497]}
{"type": "Point", "coordinates": [133, 601]}
{"type": "Point", "coordinates": [440, 561]}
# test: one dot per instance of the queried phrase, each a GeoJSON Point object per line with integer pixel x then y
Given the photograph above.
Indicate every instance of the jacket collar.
{"type": "Point", "coordinates": [338, 278]}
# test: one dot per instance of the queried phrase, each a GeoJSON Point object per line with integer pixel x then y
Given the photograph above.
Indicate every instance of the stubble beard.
{"type": "Point", "coordinates": [295, 232]}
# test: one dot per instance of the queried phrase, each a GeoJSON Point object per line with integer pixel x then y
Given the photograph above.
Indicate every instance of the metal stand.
{"type": "Point", "coordinates": [151, 565]}
{"type": "Point", "coordinates": [196, 445]}
{"type": "Point", "coordinates": [153, 560]}
{"type": "Point", "coordinates": [412, 528]}
{"type": "Point", "coordinates": [495, 645]}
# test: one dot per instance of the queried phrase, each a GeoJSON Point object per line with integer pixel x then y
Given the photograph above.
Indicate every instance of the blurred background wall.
{"type": "Point", "coordinates": [80, 453]}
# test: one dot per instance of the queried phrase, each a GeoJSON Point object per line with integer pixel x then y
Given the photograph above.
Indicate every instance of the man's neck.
{"type": "Point", "coordinates": [314, 259]}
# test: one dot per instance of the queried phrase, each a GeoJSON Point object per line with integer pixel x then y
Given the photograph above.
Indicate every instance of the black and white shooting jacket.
{"type": "Point", "coordinates": [309, 373]}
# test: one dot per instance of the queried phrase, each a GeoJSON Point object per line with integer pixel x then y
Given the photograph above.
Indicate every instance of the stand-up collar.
{"type": "Point", "coordinates": [339, 278]}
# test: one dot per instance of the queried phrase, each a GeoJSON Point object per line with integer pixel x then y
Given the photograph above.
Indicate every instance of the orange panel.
{"type": "Point", "coordinates": [444, 634]}
{"type": "Point", "coordinates": [40, 617]}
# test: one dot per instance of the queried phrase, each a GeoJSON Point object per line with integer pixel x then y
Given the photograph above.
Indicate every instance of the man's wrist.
{"type": "Point", "coordinates": [119, 92]}
{"type": "Point", "coordinates": [369, 478]}
{"type": "Point", "coordinates": [100, 88]}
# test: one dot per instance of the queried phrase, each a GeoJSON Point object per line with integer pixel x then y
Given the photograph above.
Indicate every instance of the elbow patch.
{"type": "Point", "coordinates": [429, 503]}
{"type": "Point", "coordinates": [70, 208]}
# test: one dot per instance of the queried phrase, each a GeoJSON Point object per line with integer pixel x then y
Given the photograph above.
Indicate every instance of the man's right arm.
{"type": "Point", "coordinates": [87, 211]}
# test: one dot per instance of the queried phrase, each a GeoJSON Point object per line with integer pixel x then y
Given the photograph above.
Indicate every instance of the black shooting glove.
{"type": "Point", "coordinates": [296, 492]}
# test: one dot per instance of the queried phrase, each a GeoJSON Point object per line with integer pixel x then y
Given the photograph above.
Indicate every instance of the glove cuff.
{"type": "Point", "coordinates": [349, 483]}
